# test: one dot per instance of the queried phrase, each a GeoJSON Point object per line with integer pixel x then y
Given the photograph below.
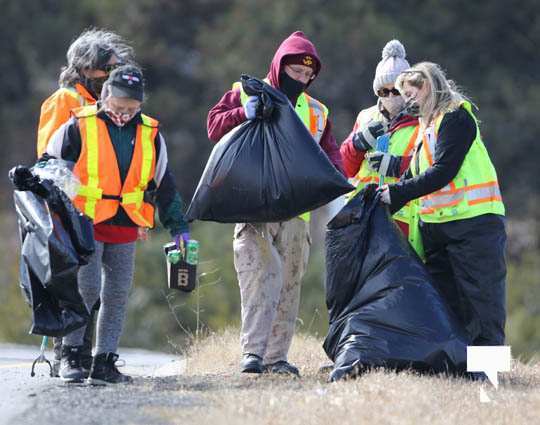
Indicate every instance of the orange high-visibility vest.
{"type": "Point", "coordinates": [56, 110]}
{"type": "Point", "coordinates": [101, 191]}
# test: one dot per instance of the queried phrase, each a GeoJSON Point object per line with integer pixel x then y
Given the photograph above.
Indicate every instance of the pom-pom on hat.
{"type": "Point", "coordinates": [392, 64]}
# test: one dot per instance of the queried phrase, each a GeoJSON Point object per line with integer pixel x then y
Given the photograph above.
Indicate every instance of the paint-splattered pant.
{"type": "Point", "coordinates": [270, 260]}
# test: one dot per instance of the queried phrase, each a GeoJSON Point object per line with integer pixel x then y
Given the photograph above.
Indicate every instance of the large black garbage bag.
{"type": "Point", "coordinates": [266, 170]}
{"type": "Point", "coordinates": [383, 308]}
{"type": "Point", "coordinates": [56, 240]}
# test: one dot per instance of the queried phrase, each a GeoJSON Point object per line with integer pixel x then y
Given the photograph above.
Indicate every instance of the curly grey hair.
{"type": "Point", "coordinates": [92, 50]}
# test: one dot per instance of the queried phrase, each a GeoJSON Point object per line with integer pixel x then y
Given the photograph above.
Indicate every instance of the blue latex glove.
{"type": "Point", "coordinates": [251, 106]}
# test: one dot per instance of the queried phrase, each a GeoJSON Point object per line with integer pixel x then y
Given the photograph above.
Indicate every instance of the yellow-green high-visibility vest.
{"type": "Point", "coordinates": [365, 175]}
{"type": "Point", "coordinates": [475, 189]}
{"type": "Point", "coordinates": [401, 143]}
{"type": "Point", "coordinates": [311, 112]}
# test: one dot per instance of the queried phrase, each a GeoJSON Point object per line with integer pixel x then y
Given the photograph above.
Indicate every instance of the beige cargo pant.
{"type": "Point", "coordinates": [270, 260]}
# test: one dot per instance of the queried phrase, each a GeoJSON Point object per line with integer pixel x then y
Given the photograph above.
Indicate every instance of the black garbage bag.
{"type": "Point", "coordinates": [266, 170]}
{"type": "Point", "coordinates": [383, 308]}
{"type": "Point", "coordinates": [56, 240]}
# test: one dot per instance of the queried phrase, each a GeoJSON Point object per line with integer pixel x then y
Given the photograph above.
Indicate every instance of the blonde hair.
{"type": "Point", "coordinates": [443, 94]}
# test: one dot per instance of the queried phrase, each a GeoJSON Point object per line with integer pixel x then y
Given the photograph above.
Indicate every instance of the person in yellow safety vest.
{"type": "Point", "coordinates": [461, 209]}
{"type": "Point", "coordinates": [271, 258]}
{"type": "Point", "coordinates": [90, 59]}
{"type": "Point", "coordinates": [380, 146]}
{"type": "Point", "coordinates": [120, 158]}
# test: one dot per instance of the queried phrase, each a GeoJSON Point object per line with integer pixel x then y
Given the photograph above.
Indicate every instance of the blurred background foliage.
{"type": "Point", "coordinates": [191, 53]}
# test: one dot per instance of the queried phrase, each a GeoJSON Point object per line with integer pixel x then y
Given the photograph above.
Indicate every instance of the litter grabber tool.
{"type": "Point", "coordinates": [41, 358]}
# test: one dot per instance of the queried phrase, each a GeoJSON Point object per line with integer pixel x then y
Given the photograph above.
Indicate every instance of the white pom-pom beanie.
{"type": "Point", "coordinates": [392, 64]}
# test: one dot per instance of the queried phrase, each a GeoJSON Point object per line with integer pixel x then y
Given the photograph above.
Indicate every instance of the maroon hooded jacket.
{"type": "Point", "coordinates": [229, 112]}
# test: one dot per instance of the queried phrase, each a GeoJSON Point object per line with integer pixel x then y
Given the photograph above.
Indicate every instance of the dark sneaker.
{"type": "Point", "coordinates": [70, 366]}
{"type": "Point", "coordinates": [251, 363]}
{"type": "Point", "coordinates": [104, 371]}
{"type": "Point", "coordinates": [282, 368]}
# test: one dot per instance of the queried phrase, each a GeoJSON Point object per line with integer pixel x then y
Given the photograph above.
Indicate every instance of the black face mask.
{"type": "Point", "coordinates": [413, 108]}
{"type": "Point", "coordinates": [94, 85]}
{"type": "Point", "coordinates": [291, 87]}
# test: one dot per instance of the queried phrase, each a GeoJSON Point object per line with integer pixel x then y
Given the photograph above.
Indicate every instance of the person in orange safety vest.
{"type": "Point", "coordinates": [120, 158]}
{"type": "Point", "coordinates": [90, 59]}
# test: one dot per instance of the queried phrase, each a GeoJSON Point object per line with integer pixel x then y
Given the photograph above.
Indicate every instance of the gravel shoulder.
{"type": "Point", "coordinates": [41, 399]}
{"type": "Point", "coordinates": [206, 388]}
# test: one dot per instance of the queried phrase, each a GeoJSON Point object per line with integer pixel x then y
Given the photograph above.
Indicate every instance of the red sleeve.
{"type": "Point", "coordinates": [227, 114]}
{"type": "Point", "coordinates": [352, 158]}
{"type": "Point", "coordinates": [329, 146]}
{"type": "Point", "coordinates": [405, 162]}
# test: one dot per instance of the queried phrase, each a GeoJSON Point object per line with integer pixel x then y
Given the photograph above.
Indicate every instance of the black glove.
{"type": "Point", "coordinates": [23, 179]}
{"type": "Point", "coordinates": [263, 107]}
{"type": "Point", "coordinates": [366, 138]}
{"type": "Point", "coordinates": [384, 163]}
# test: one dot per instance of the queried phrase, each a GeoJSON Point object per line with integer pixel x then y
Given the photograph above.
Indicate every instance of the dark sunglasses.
{"type": "Point", "coordinates": [384, 92]}
{"type": "Point", "coordinates": [110, 67]}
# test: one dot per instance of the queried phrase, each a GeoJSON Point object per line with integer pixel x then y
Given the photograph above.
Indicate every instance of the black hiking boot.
{"type": "Point", "coordinates": [251, 363]}
{"type": "Point", "coordinates": [70, 365]}
{"type": "Point", "coordinates": [104, 371]}
{"type": "Point", "coordinates": [282, 368]}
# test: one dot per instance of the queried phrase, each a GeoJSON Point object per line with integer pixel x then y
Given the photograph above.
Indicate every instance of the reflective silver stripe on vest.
{"type": "Point", "coordinates": [319, 112]}
{"type": "Point", "coordinates": [440, 200]}
{"type": "Point", "coordinates": [488, 192]}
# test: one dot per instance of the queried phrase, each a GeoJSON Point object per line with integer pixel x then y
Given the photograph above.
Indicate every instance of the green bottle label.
{"type": "Point", "coordinates": [174, 256]}
{"type": "Point", "coordinates": [192, 252]}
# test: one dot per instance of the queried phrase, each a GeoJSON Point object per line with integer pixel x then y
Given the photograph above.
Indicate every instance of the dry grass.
{"type": "Point", "coordinates": [221, 395]}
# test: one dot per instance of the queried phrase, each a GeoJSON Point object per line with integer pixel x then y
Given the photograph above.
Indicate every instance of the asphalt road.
{"type": "Point", "coordinates": [44, 400]}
